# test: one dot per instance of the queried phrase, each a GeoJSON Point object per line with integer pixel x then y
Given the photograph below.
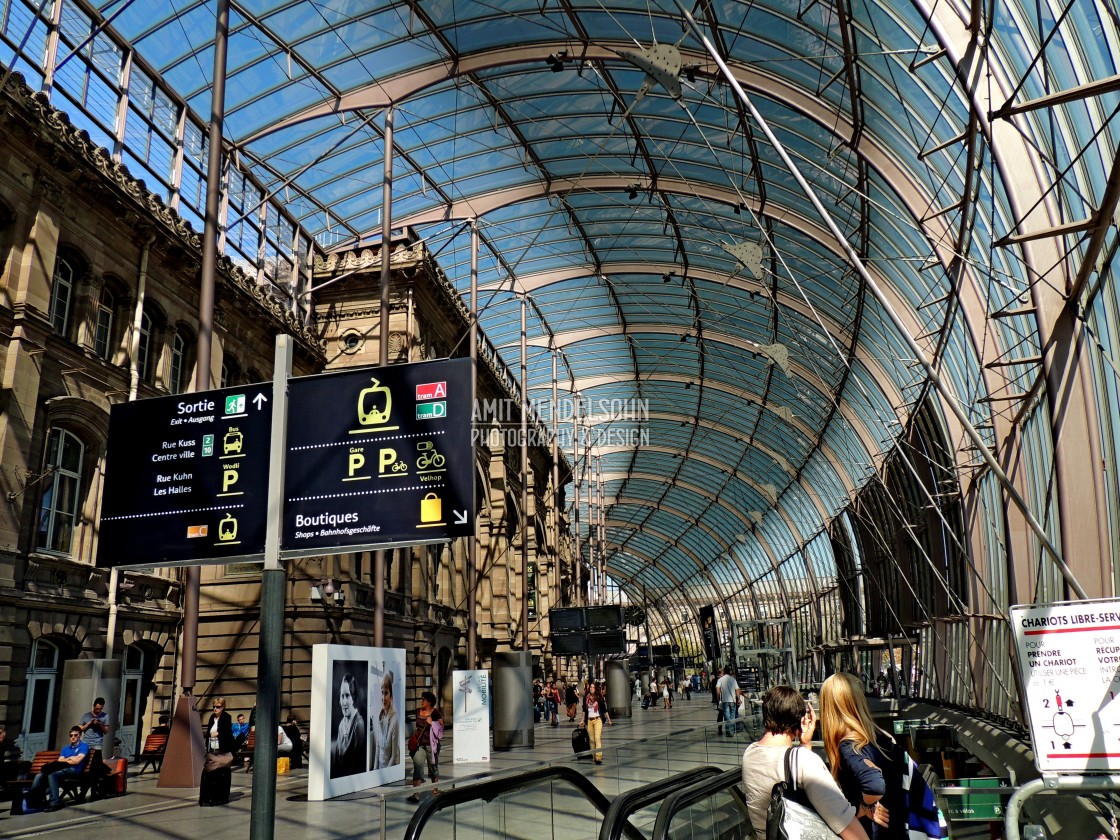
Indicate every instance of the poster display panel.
{"type": "Point", "coordinates": [471, 713]}
{"type": "Point", "coordinates": [709, 630]}
{"type": "Point", "coordinates": [357, 719]}
{"type": "Point", "coordinates": [1069, 660]}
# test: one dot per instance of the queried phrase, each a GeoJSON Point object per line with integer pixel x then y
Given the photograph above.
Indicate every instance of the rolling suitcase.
{"type": "Point", "coordinates": [214, 787]}
{"type": "Point", "coordinates": [581, 742]}
{"type": "Point", "coordinates": [116, 783]}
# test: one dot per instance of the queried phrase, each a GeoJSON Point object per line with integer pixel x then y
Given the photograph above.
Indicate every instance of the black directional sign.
{"type": "Point", "coordinates": [379, 455]}
{"type": "Point", "coordinates": [186, 478]}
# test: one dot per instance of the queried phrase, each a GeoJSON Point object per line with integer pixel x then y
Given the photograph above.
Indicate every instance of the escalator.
{"type": "Point", "coordinates": [519, 805]}
{"type": "Point", "coordinates": [712, 808]}
{"type": "Point", "coordinates": [626, 805]}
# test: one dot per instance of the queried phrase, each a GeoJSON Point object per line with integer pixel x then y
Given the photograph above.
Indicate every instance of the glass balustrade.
{"type": "Point", "coordinates": [552, 807]}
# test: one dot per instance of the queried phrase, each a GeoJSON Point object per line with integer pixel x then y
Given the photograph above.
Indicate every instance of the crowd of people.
{"type": "Point", "coordinates": [857, 792]}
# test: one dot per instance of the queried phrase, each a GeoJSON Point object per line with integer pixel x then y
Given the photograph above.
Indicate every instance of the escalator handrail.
{"type": "Point", "coordinates": [492, 788]}
{"type": "Point", "coordinates": [692, 794]}
{"type": "Point", "coordinates": [627, 804]}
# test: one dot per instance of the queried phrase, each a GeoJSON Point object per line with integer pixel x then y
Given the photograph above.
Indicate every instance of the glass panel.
{"type": "Point", "coordinates": [40, 703]}
{"type": "Point", "coordinates": [722, 815]}
{"type": "Point", "coordinates": [64, 518]}
{"type": "Point", "coordinates": [143, 345]}
{"type": "Point", "coordinates": [131, 693]}
{"type": "Point", "coordinates": [46, 656]}
{"type": "Point", "coordinates": [71, 460]}
{"type": "Point", "coordinates": [178, 363]}
{"type": "Point", "coordinates": [60, 296]}
{"type": "Point", "coordinates": [59, 509]}
{"type": "Point", "coordinates": [556, 808]}
{"type": "Point", "coordinates": [104, 327]}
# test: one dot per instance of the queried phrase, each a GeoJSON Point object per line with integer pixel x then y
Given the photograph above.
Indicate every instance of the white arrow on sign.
{"type": "Point", "coordinates": [460, 517]}
{"type": "Point", "coordinates": [260, 400]}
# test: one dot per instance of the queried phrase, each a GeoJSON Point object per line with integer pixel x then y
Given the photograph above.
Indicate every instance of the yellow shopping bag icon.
{"type": "Point", "coordinates": [431, 508]}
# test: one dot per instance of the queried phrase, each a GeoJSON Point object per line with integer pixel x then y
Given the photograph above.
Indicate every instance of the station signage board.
{"type": "Point", "coordinates": [1068, 655]}
{"type": "Point", "coordinates": [379, 456]}
{"type": "Point", "coordinates": [186, 478]}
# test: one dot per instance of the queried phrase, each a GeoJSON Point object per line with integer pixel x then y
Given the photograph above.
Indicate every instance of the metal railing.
{"type": "Point", "coordinates": [627, 804]}
{"type": "Point", "coordinates": [493, 788]}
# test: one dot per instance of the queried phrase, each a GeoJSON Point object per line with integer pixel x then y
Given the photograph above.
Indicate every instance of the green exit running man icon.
{"type": "Point", "coordinates": [235, 404]}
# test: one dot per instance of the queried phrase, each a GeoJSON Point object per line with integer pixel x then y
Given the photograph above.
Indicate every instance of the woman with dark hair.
{"type": "Point", "coordinates": [424, 742]}
{"type": "Point", "coordinates": [789, 722]}
{"type": "Point", "coordinates": [348, 752]}
{"type": "Point", "coordinates": [595, 711]}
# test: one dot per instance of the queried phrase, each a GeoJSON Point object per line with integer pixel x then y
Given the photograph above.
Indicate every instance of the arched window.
{"type": "Point", "coordinates": [103, 326]}
{"type": "Point", "coordinates": [231, 372]}
{"type": "Point", "coordinates": [177, 383]}
{"type": "Point", "coordinates": [58, 514]}
{"type": "Point", "coordinates": [143, 352]}
{"type": "Point", "coordinates": [62, 292]}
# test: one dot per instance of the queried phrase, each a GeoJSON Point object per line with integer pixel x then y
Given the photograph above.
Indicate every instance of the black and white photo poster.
{"type": "Point", "coordinates": [356, 740]}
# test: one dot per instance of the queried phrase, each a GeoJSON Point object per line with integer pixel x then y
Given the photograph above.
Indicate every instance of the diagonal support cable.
{"type": "Point", "coordinates": [872, 286]}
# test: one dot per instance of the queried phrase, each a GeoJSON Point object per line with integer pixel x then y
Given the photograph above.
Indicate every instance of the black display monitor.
{"type": "Point", "coordinates": [569, 644]}
{"type": "Point", "coordinates": [606, 641]}
{"type": "Point", "coordinates": [604, 618]}
{"type": "Point", "coordinates": [564, 620]}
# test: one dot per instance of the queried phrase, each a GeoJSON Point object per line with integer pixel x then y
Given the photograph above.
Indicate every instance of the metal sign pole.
{"type": "Point", "coordinates": [262, 823]}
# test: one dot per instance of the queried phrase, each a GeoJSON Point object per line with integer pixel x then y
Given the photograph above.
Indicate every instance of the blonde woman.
{"type": "Point", "coordinates": [860, 756]}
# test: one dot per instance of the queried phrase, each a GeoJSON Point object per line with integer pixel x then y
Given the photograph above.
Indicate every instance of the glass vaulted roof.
{"type": "Point", "coordinates": [628, 164]}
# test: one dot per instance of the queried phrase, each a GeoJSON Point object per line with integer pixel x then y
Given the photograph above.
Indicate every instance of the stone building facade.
{"type": "Point", "coordinates": [99, 286]}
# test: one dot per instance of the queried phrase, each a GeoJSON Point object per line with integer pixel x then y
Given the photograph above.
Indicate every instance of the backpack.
{"type": "Point", "coordinates": [923, 818]}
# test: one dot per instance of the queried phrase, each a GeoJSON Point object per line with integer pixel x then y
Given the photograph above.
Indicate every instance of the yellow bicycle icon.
{"type": "Point", "coordinates": [429, 457]}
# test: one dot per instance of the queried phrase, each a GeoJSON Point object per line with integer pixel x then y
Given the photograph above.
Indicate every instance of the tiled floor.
{"type": "Point", "coordinates": [649, 745]}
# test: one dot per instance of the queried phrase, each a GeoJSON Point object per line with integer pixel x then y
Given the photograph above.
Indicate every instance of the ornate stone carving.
{"type": "Point", "coordinates": [48, 189]}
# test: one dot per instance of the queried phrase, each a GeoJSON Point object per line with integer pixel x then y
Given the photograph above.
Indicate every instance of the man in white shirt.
{"type": "Point", "coordinates": [727, 690]}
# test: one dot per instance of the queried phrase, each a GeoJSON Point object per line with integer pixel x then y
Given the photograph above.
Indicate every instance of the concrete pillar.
{"type": "Point", "coordinates": [619, 689]}
{"type": "Point", "coordinates": [513, 700]}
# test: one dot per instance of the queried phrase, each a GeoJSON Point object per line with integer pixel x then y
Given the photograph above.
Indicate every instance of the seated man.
{"type": "Point", "coordinates": [240, 732]}
{"type": "Point", "coordinates": [71, 760]}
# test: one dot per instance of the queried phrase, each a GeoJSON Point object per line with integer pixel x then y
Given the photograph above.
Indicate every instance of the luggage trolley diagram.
{"type": "Point", "coordinates": [1068, 655]}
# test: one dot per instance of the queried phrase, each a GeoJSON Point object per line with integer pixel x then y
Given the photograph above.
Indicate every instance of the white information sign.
{"type": "Point", "coordinates": [1069, 661]}
{"type": "Point", "coordinates": [471, 713]}
{"type": "Point", "coordinates": [357, 719]}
